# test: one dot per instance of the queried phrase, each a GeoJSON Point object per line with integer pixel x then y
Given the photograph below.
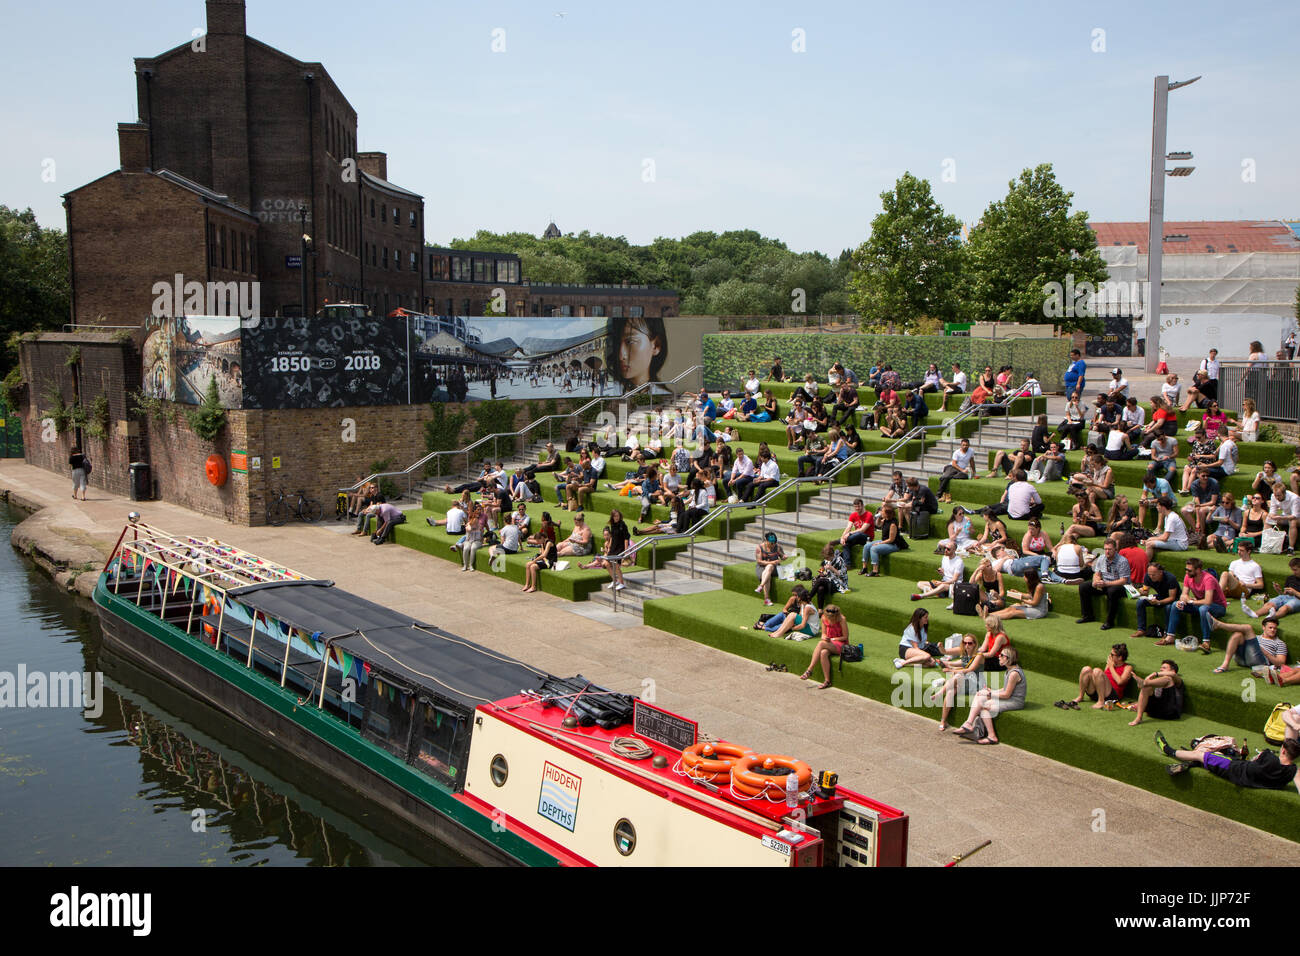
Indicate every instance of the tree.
{"type": "Point", "coordinates": [910, 267]}
{"type": "Point", "coordinates": [34, 290]}
{"type": "Point", "coordinates": [1031, 260]}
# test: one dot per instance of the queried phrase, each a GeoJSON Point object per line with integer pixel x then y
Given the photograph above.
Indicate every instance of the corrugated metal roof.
{"type": "Point", "coordinates": [1205, 236]}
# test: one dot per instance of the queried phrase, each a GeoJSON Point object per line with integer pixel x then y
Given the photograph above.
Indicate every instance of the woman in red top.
{"type": "Point", "coordinates": [995, 642]}
{"type": "Point", "coordinates": [1104, 684]}
{"type": "Point", "coordinates": [835, 634]}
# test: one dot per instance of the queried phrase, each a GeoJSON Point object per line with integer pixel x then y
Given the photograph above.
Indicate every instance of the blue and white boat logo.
{"type": "Point", "coordinates": [559, 797]}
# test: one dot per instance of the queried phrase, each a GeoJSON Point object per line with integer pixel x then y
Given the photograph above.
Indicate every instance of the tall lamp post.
{"type": "Point", "coordinates": [1156, 220]}
{"type": "Point", "coordinates": [306, 243]}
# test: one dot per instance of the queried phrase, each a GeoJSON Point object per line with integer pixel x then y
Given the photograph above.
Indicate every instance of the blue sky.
{"type": "Point", "coordinates": [742, 131]}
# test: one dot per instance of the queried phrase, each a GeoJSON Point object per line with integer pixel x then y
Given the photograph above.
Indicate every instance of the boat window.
{"type": "Point", "coordinates": [624, 837]}
{"type": "Point", "coordinates": [500, 770]}
{"type": "Point", "coordinates": [441, 743]}
{"type": "Point", "coordinates": [387, 719]}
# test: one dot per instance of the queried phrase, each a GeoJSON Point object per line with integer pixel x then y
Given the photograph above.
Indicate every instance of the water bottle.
{"type": "Point", "coordinates": [791, 790]}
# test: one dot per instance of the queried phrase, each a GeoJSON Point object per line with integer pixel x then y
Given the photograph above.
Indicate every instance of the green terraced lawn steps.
{"type": "Point", "coordinates": [1098, 741]}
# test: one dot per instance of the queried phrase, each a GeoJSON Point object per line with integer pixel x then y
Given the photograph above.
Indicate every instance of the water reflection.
{"type": "Point", "coordinates": [157, 778]}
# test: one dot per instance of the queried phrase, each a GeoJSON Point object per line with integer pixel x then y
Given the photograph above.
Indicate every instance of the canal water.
{"type": "Point", "coordinates": [154, 778]}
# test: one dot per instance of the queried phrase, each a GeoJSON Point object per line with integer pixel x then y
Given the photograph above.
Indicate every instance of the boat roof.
{"type": "Point", "coordinates": [422, 655]}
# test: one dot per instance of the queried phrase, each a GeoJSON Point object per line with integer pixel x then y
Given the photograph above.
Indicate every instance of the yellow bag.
{"type": "Point", "coordinates": [1275, 727]}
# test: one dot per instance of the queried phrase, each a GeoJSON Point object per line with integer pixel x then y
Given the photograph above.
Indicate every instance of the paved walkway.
{"type": "Point", "coordinates": [1037, 812]}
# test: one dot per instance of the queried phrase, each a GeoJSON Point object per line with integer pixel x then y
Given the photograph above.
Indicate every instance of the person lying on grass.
{"type": "Point", "coordinates": [988, 703]}
{"type": "Point", "coordinates": [1104, 684]}
{"type": "Point", "coordinates": [1249, 650]}
{"type": "Point", "coordinates": [1267, 771]}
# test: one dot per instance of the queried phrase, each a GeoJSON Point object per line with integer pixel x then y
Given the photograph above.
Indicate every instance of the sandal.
{"type": "Point", "coordinates": [1204, 647]}
{"type": "Point", "coordinates": [824, 685]}
{"type": "Point", "coordinates": [806, 674]}
{"type": "Point", "coordinates": [1164, 642]}
{"type": "Point", "coordinates": [1061, 704]}
{"type": "Point", "coordinates": [988, 740]}
{"type": "Point", "coordinates": [1220, 670]}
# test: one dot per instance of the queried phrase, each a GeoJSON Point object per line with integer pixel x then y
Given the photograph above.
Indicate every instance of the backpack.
{"type": "Point", "coordinates": [1274, 727]}
{"type": "Point", "coordinates": [965, 598]}
{"type": "Point", "coordinates": [851, 653]}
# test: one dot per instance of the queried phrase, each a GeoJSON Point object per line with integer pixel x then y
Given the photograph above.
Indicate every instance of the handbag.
{"type": "Point", "coordinates": [85, 463]}
{"type": "Point", "coordinates": [965, 598]}
{"type": "Point", "coordinates": [1275, 726]}
{"type": "Point", "coordinates": [1271, 541]}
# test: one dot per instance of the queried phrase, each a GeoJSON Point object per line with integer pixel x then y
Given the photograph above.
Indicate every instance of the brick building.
{"type": "Point", "coordinates": [259, 137]}
{"type": "Point", "coordinates": [463, 282]}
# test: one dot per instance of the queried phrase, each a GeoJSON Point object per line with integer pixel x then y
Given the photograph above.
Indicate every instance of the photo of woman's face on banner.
{"type": "Point", "coordinates": [472, 358]}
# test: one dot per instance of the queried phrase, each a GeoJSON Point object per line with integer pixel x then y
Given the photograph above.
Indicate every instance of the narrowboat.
{"type": "Point", "coordinates": [503, 762]}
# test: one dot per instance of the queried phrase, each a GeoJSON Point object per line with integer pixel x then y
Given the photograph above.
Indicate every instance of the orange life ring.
{"type": "Point", "coordinates": [768, 779]}
{"type": "Point", "coordinates": [712, 762]}
{"type": "Point", "coordinates": [216, 470]}
{"type": "Point", "coordinates": [214, 609]}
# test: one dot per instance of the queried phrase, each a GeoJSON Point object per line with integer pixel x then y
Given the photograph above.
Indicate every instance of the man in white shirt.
{"type": "Point", "coordinates": [1020, 500]}
{"type": "Point", "coordinates": [752, 384]}
{"type": "Point", "coordinates": [951, 569]}
{"type": "Point", "coordinates": [454, 522]}
{"type": "Point", "coordinates": [1284, 513]}
{"type": "Point", "coordinates": [742, 474]}
{"type": "Point", "coordinates": [1173, 533]}
{"type": "Point", "coordinates": [1244, 576]}
{"type": "Point", "coordinates": [598, 463]}
{"type": "Point", "coordinates": [955, 386]}
{"type": "Point", "coordinates": [1228, 452]}
{"type": "Point", "coordinates": [1134, 417]}
{"type": "Point", "coordinates": [1118, 388]}
{"type": "Point", "coordinates": [509, 541]}
{"type": "Point", "coordinates": [726, 407]}
{"type": "Point", "coordinates": [962, 466]}
{"type": "Point", "coordinates": [1210, 366]}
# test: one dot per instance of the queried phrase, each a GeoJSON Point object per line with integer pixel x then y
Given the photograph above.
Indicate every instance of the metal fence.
{"type": "Point", "coordinates": [11, 433]}
{"type": "Point", "coordinates": [1273, 385]}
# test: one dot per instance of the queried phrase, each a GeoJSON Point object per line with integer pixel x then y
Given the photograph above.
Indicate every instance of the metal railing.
{"type": "Point", "coordinates": [722, 511]}
{"type": "Point", "coordinates": [646, 390]}
{"type": "Point", "coordinates": [1273, 385]}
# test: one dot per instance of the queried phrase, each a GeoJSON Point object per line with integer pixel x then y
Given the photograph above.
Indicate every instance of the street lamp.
{"type": "Point", "coordinates": [1156, 220]}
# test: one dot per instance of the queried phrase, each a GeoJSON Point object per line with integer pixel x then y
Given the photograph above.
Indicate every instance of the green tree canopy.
{"type": "Point", "coordinates": [910, 267]}
{"type": "Point", "coordinates": [34, 290]}
{"type": "Point", "coordinates": [1027, 254]}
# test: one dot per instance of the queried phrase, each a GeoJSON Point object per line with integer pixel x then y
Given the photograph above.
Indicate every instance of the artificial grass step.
{"type": "Point", "coordinates": [1129, 474]}
{"type": "Point", "coordinates": [1099, 741]}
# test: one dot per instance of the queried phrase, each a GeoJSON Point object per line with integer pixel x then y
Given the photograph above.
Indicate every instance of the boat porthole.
{"type": "Point", "coordinates": [624, 837]}
{"type": "Point", "coordinates": [499, 770]}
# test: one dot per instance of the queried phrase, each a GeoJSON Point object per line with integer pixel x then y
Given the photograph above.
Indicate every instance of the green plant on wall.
{"type": "Point", "coordinates": [442, 433]}
{"type": "Point", "coordinates": [209, 418]}
{"type": "Point", "coordinates": [494, 418]}
{"type": "Point", "coordinates": [74, 357]}
{"type": "Point", "coordinates": [13, 389]}
{"type": "Point", "coordinates": [149, 407]}
{"type": "Point", "coordinates": [56, 409]}
{"type": "Point", "coordinates": [97, 418]}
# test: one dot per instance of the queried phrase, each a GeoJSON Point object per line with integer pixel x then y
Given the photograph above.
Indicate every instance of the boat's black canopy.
{"type": "Point", "coordinates": [421, 655]}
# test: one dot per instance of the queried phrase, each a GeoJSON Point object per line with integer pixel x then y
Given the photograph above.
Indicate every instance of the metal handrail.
{"type": "Point", "coordinates": [468, 449]}
{"type": "Point", "coordinates": [725, 508]}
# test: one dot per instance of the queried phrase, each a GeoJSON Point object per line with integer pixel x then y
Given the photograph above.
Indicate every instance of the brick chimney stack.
{"type": "Point", "coordinates": [376, 164]}
{"type": "Point", "coordinates": [133, 147]}
{"type": "Point", "coordinates": [226, 17]}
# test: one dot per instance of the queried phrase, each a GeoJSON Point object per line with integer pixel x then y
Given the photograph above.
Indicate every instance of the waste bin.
{"type": "Point", "coordinates": [140, 486]}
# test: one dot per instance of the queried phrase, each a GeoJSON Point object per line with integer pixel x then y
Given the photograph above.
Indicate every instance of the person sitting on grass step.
{"type": "Point", "coordinates": [964, 675]}
{"type": "Point", "coordinates": [988, 703]}
{"type": "Point", "coordinates": [915, 646]}
{"type": "Point", "coordinates": [1159, 590]}
{"type": "Point", "coordinates": [1110, 576]}
{"type": "Point", "coordinates": [1103, 685]}
{"type": "Point", "coordinates": [767, 556]}
{"type": "Point", "coordinates": [803, 624]}
{"type": "Point", "coordinates": [1287, 598]}
{"type": "Point", "coordinates": [1160, 695]}
{"type": "Point", "coordinates": [891, 540]}
{"type": "Point", "coordinates": [951, 571]}
{"type": "Point", "coordinates": [835, 635]}
{"type": "Point", "coordinates": [1201, 594]}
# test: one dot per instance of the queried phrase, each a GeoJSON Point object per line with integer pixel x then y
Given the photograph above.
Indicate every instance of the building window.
{"type": "Point", "coordinates": [507, 271]}
{"type": "Point", "coordinates": [465, 307]}
{"type": "Point", "coordinates": [385, 259]}
{"type": "Point", "coordinates": [413, 219]}
{"type": "Point", "coordinates": [481, 270]}
{"type": "Point", "coordinates": [565, 310]}
{"type": "Point", "coordinates": [397, 259]}
{"type": "Point", "coordinates": [396, 217]}
{"type": "Point", "coordinates": [372, 209]}
{"type": "Point", "coordinates": [383, 212]}
{"type": "Point", "coordinates": [597, 311]}
{"type": "Point", "coordinates": [451, 307]}
{"type": "Point", "coordinates": [415, 262]}
{"type": "Point", "coordinates": [459, 269]}
{"type": "Point", "coordinates": [222, 235]}
{"type": "Point", "coordinates": [616, 312]}
{"type": "Point", "coordinates": [635, 311]}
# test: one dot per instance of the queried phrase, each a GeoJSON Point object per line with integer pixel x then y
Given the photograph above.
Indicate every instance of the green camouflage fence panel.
{"type": "Point", "coordinates": [729, 357]}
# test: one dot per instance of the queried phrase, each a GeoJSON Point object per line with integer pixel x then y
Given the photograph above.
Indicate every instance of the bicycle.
{"type": "Point", "coordinates": [280, 508]}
